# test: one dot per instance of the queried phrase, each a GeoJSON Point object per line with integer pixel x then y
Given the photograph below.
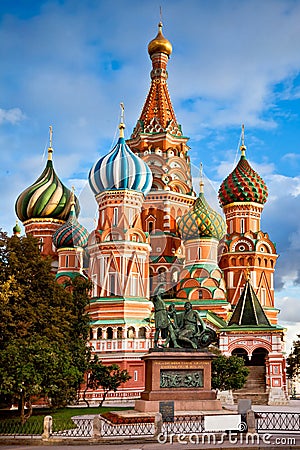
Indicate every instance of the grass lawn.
{"type": "Point", "coordinates": [10, 422]}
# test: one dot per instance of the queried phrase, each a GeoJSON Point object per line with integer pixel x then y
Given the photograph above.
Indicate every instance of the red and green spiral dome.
{"type": "Point", "coordinates": [243, 185]}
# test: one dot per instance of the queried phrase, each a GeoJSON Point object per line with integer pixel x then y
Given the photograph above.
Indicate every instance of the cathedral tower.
{"type": "Point", "coordinates": [201, 280]}
{"type": "Point", "coordinates": [158, 140]}
{"type": "Point", "coordinates": [245, 247]}
{"type": "Point", "coordinates": [44, 206]}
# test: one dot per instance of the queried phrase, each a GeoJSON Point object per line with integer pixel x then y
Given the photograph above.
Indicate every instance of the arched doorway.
{"type": "Point", "coordinates": [241, 352]}
{"type": "Point", "coordinates": [259, 357]}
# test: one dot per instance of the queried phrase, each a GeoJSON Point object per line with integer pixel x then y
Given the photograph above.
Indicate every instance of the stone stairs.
{"type": "Point", "coordinates": [255, 387]}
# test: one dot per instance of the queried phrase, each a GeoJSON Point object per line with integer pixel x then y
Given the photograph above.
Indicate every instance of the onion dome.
{"type": "Point", "coordinates": [243, 184]}
{"type": "Point", "coordinates": [71, 233]}
{"type": "Point", "coordinates": [201, 221]}
{"type": "Point", "coordinates": [17, 229]}
{"type": "Point", "coordinates": [48, 197]}
{"type": "Point", "coordinates": [120, 169]}
{"type": "Point", "coordinates": [160, 44]}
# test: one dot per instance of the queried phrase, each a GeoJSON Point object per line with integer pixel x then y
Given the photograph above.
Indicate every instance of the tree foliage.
{"type": "Point", "coordinates": [293, 361]}
{"type": "Point", "coordinates": [106, 377]}
{"type": "Point", "coordinates": [228, 373]}
{"type": "Point", "coordinates": [43, 327]}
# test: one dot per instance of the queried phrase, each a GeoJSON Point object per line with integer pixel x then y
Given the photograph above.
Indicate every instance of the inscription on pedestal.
{"type": "Point", "coordinates": [167, 411]}
{"type": "Point", "coordinates": [181, 378]}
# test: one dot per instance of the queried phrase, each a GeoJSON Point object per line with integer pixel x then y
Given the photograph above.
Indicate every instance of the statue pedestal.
{"type": "Point", "coordinates": [181, 376]}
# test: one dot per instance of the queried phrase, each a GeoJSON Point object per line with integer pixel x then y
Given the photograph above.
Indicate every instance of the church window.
{"type": "Point", "coordinates": [200, 294]}
{"type": "Point", "coordinates": [199, 252]}
{"type": "Point", "coordinates": [119, 333]}
{"type": "Point", "coordinates": [142, 333]}
{"type": "Point", "coordinates": [115, 219]}
{"type": "Point", "coordinates": [102, 217]}
{"type": "Point", "coordinates": [242, 226]}
{"type": "Point", "coordinates": [131, 333]}
{"type": "Point", "coordinates": [109, 333]}
{"type": "Point", "coordinates": [150, 226]}
{"type": "Point", "coordinates": [99, 333]}
{"type": "Point", "coordinates": [112, 283]}
{"type": "Point", "coordinates": [135, 375]}
{"type": "Point", "coordinates": [67, 260]}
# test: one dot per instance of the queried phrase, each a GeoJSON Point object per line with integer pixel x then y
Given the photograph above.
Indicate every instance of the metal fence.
{"type": "Point", "coordinates": [183, 424]}
{"type": "Point", "coordinates": [278, 421]}
{"type": "Point", "coordinates": [33, 427]}
{"type": "Point", "coordinates": [136, 429]}
{"type": "Point", "coordinates": [75, 427]}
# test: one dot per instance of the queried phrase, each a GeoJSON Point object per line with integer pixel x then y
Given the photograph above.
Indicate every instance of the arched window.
{"type": "Point", "coordinates": [109, 333]}
{"type": "Point", "coordinates": [99, 333]}
{"type": "Point", "coordinates": [115, 219]}
{"type": "Point", "coordinates": [199, 252]}
{"type": "Point", "coordinates": [242, 226]}
{"type": "Point", "coordinates": [142, 332]}
{"type": "Point", "coordinates": [150, 226]}
{"type": "Point", "coordinates": [119, 333]}
{"type": "Point", "coordinates": [131, 332]}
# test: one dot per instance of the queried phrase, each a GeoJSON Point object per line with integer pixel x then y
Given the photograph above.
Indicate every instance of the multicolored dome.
{"type": "Point", "coordinates": [201, 221]}
{"type": "Point", "coordinates": [48, 197]}
{"type": "Point", "coordinates": [160, 44]}
{"type": "Point", "coordinates": [243, 184]}
{"type": "Point", "coordinates": [71, 233]}
{"type": "Point", "coordinates": [120, 169]}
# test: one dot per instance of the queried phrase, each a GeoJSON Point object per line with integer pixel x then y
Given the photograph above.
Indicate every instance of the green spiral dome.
{"type": "Point", "coordinates": [48, 197]}
{"type": "Point", "coordinates": [201, 221]}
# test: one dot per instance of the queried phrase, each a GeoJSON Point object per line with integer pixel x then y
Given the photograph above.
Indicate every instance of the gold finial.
{"type": "Point", "coordinates": [243, 147]}
{"type": "Point", "coordinates": [201, 179]}
{"type": "Point", "coordinates": [73, 196]}
{"type": "Point", "coordinates": [50, 149]}
{"type": "Point", "coordinates": [122, 125]}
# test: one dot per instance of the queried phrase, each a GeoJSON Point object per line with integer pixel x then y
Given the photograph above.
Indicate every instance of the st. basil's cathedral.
{"type": "Point", "coordinates": [153, 233]}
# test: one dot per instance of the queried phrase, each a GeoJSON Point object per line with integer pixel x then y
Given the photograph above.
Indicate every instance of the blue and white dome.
{"type": "Point", "coordinates": [120, 169]}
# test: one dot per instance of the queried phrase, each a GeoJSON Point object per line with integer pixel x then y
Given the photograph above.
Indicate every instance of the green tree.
{"type": "Point", "coordinates": [228, 373]}
{"type": "Point", "coordinates": [43, 327]}
{"type": "Point", "coordinates": [293, 361]}
{"type": "Point", "coordinates": [106, 377]}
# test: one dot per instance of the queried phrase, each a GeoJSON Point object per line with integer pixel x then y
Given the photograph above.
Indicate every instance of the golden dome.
{"type": "Point", "coordinates": [160, 44]}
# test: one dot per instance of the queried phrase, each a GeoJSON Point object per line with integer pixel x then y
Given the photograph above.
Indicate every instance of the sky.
{"type": "Point", "coordinates": [69, 64]}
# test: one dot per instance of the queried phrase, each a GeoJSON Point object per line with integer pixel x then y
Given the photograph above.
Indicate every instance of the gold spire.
{"type": "Point", "coordinates": [122, 125]}
{"type": "Point", "coordinates": [201, 179]}
{"type": "Point", "coordinates": [243, 147]}
{"type": "Point", "coordinates": [50, 149]}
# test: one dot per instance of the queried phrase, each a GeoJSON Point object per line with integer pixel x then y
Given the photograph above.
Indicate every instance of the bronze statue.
{"type": "Point", "coordinates": [180, 329]}
{"type": "Point", "coordinates": [163, 325]}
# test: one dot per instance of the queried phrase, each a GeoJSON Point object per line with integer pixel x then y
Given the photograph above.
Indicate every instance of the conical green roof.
{"type": "Point", "coordinates": [248, 310]}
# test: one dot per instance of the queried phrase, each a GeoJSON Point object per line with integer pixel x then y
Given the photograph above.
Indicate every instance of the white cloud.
{"type": "Point", "coordinates": [13, 115]}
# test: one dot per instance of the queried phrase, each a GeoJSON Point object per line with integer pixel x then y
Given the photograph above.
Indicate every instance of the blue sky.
{"type": "Point", "coordinates": [70, 63]}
